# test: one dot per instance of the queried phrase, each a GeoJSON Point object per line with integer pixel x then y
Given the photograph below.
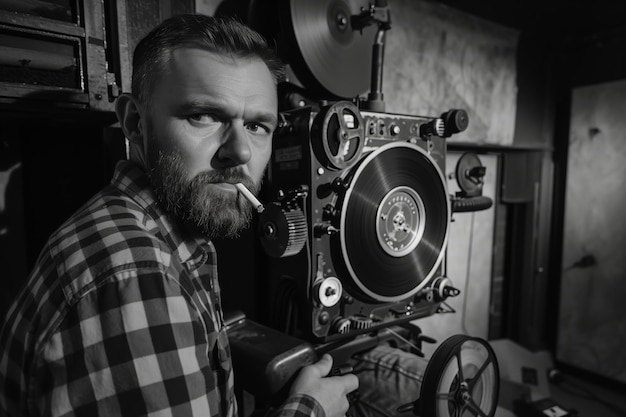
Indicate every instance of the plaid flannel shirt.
{"type": "Point", "coordinates": [121, 316]}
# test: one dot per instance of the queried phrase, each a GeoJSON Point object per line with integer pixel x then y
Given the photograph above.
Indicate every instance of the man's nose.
{"type": "Point", "coordinates": [235, 149]}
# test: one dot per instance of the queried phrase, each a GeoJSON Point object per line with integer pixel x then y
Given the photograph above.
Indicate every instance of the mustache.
{"type": "Point", "coordinates": [228, 175]}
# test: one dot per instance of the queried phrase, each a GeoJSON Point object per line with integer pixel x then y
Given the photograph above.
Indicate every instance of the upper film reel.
{"type": "Point", "coordinates": [326, 54]}
{"type": "Point", "coordinates": [394, 222]}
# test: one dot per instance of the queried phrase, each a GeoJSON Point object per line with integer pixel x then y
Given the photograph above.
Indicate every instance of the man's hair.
{"type": "Point", "coordinates": [224, 36]}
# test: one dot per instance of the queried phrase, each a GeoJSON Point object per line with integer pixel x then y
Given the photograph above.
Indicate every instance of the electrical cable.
{"type": "Point", "coordinates": [309, 264]}
{"type": "Point", "coordinates": [404, 339]}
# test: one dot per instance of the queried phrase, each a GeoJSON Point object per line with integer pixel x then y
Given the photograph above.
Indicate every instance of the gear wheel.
{"type": "Point", "coordinates": [283, 230]}
{"type": "Point", "coordinates": [360, 322]}
{"type": "Point", "coordinates": [341, 325]}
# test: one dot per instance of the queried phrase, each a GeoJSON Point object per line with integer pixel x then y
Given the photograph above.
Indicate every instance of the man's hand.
{"type": "Point", "coordinates": [330, 392]}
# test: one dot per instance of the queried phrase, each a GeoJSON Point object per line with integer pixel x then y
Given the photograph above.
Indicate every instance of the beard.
{"type": "Point", "coordinates": [215, 213]}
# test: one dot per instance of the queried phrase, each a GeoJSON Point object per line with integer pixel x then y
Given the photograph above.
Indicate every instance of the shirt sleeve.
{"type": "Point", "coordinates": [300, 405]}
{"type": "Point", "coordinates": [134, 346]}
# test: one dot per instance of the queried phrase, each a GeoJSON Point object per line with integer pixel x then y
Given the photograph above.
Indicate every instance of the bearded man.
{"type": "Point", "coordinates": [121, 315]}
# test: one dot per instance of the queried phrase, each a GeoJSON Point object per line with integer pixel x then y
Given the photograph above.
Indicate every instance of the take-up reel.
{"type": "Point", "coordinates": [338, 135]}
{"type": "Point", "coordinates": [470, 174]}
{"type": "Point", "coordinates": [461, 379]}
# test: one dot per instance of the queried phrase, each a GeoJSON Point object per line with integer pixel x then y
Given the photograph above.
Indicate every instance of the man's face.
{"type": "Point", "coordinates": [210, 125]}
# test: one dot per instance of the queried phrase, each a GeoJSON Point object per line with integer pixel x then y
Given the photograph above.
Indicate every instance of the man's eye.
{"type": "Point", "coordinates": [258, 128]}
{"type": "Point", "coordinates": [202, 119]}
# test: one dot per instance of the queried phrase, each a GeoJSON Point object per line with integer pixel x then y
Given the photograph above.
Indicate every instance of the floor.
{"type": "Point", "coordinates": [530, 374]}
{"type": "Point", "coordinates": [588, 399]}
{"type": "Point", "coordinates": [579, 398]}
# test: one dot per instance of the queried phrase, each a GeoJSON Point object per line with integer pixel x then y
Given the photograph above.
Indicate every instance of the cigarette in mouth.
{"type": "Point", "coordinates": [251, 198]}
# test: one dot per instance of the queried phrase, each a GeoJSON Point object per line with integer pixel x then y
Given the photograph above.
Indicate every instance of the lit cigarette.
{"type": "Point", "coordinates": [251, 198]}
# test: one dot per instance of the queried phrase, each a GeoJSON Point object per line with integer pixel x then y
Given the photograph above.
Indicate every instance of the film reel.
{"type": "Point", "coordinates": [326, 54]}
{"type": "Point", "coordinates": [469, 174]}
{"type": "Point", "coordinates": [338, 135]}
{"type": "Point", "coordinates": [394, 222]}
{"type": "Point", "coordinates": [461, 379]}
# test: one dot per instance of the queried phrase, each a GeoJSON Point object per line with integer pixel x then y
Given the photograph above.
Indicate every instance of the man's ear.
{"type": "Point", "coordinates": [127, 111]}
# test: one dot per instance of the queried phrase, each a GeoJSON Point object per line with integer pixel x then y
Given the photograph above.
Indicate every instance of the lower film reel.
{"type": "Point", "coordinates": [394, 222]}
{"type": "Point", "coordinates": [461, 379]}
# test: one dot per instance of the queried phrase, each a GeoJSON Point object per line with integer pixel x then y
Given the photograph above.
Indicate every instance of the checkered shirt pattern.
{"type": "Point", "coordinates": [121, 316]}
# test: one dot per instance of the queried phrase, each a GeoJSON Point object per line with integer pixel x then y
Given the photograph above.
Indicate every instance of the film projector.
{"type": "Point", "coordinates": [358, 216]}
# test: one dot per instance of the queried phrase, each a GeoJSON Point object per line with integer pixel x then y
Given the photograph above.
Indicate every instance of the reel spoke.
{"type": "Point", "coordinates": [460, 365]}
{"type": "Point", "coordinates": [445, 396]}
{"type": "Point", "coordinates": [353, 133]}
{"type": "Point", "coordinates": [474, 409]}
{"type": "Point", "coordinates": [472, 381]}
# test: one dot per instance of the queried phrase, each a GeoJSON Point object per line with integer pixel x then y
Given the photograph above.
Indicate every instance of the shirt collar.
{"type": "Point", "coordinates": [191, 248]}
